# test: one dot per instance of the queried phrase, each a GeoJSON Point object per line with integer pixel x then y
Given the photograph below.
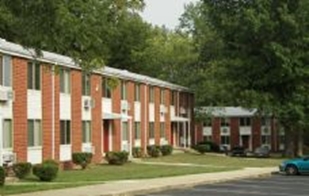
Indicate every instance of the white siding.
{"type": "Point", "coordinates": [34, 104]}
{"type": "Point", "coordinates": [65, 106]}
{"type": "Point", "coordinates": [207, 131]}
{"type": "Point", "coordinates": [65, 152]}
{"type": "Point", "coordinates": [34, 155]}
{"type": "Point", "coordinates": [172, 112]}
{"type": "Point", "coordinates": [107, 105]}
{"type": "Point", "coordinates": [247, 130]}
{"type": "Point", "coordinates": [6, 108]}
{"type": "Point", "coordinates": [151, 112]}
{"type": "Point", "coordinates": [86, 114]}
{"type": "Point", "coordinates": [137, 111]}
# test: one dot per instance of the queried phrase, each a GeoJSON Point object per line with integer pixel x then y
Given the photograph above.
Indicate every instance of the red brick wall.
{"type": "Point", "coordinates": [130, 98]}
{"type": "Point", "coordinates": [144, 115]}
{"type": "Point", "coordinates": [157, 114]}
{"type": "Point", "coordinates": [199, 132]}
{"type": "Point", "coordinates": [47, 140]}
{"type": "Point", "coordinates": [168, 116]}
{"type": "Point", "coordinates": [256, 132]}
{"type": "Point", "coordinates": [116, 104]}
{"type": "Point", "coordinates": [96, 116]}
{"type": "Point", "coordinates": [76, 98]}
{"type": "Point", "coordinates": [57, 115]}
{"type": "Point", "coordinates": [234, 124]}
{"type": "Point", "coordinates": [216, 130]}
{"type": "Point", "coordinates": [20, 108]}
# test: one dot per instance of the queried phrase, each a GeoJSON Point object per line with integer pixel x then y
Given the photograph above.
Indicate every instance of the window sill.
{"type": "Point", "coordinates": [35, 148]}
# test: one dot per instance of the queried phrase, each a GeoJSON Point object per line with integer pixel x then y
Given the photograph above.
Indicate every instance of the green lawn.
{"type": "Point", "coordinates": [101, 173]}
{"type": "Point", "coordinates": [217, 160]}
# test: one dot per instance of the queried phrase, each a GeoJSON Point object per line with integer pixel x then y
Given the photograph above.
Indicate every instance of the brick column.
{"type": "Point", "coordinates": [116, 122]}
{"type": "Point", "coordinates": [76, 108]}
{"type": "Point", "coordinates": [216, 130]}
{"type": "Point", "coordinates": [144, 115]}
{"type": "Point", "coordinates": [20, 108]}
{"type": "Point", "coordinates": [47, 107]}
{"type": "Point", "coordinates": [168, 131]}
{"type": "Point", "coordinates": [234, 132]}
{"type": "Point", "coordinates": [96, 116]}
{"type": "Point", "coordinates": [57, 115]}
{"type": "Point", "coordinates": [256, 133]}
{"type": "Point", "coordinates": [157, 114]}
{"type": "Point", "coordinates": [131, 92]}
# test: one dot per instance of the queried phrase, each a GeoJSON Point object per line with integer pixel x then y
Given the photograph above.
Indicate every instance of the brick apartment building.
{"type": "Point", "coordinates": [236, 126]}
{"type": "Point", "coordinates": [49, 109]}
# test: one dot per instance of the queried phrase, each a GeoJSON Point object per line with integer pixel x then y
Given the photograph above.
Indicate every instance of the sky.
{"type": "Point", "coordinates": [164, 12]}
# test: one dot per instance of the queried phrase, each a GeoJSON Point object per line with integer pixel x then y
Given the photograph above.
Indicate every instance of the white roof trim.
{"type": "Point", "coordinates": [13, 49]}
{"type": "Point", "coordinates": [228, 111]}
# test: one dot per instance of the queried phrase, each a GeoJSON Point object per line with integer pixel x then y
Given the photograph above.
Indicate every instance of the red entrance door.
{"type": "Point", "coordinates": [106, 135]}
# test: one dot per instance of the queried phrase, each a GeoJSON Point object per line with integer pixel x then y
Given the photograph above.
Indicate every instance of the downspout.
{"type": "Point", "coordinates": [53, 112]}
{"type": "Point", "coordinates": [178, 114]}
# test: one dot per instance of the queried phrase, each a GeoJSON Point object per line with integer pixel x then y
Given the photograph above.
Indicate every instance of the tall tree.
{"type": "Point", "coordinates": [265, 53]}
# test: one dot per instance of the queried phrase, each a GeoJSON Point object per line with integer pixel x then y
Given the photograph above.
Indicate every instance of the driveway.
{"type": "Point", "coordinates": [277, 185]}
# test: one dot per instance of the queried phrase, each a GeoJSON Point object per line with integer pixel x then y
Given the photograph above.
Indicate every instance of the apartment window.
{"type": "Point", "coordinates": [107, 93]}
{"type": "Point", "coordinates": [34, 133]}
{"type": "Point", "coordinates": [225, 122]}
{"type": "Point", "coordinates": [5, 70]}
{"type": "Point", "coordinates": [173, 98]}
{"type": "Point", "coordinates": [207, 138]}
{"type": "Point", "coordinates": [265, 121]}
{"type": "Point", "coordinates": [137, 93]}
{"type": "Point", "coordinates": [162, 96]}
{"type": "Point", "coordinates": [151, 94]}
{"type": "Point", "coordinates": [162, 130]}
{"type": "Point", "coordinates": [245, 122]}
{"type": "Point", "coordinates": [151, 130]}
{"type": "Point", "coordinates": [34, 76]}
{"type": "Point", "coordinates": [7, 133]}
{"type": "Point", "coordinates": [65, 132]}
{"type": "Point", "coordinates": [65, 81]}
{"type": "Point", "coordinates": [266, 139]}
{"type": "Point", "coordinates": [225, 140]}
{"type": "Point", "coordinates": [124, 128]}
{"type": "Point", "coordinates": [207, 123]}
{"type": "Point", "coordinates": [123, 90]}
{"type": "Point", "coordinates": [86, 88]}
{"type": "Point", "coordinates": [86, 131]}
{"type": "Point", "coordinates": [137, 132]}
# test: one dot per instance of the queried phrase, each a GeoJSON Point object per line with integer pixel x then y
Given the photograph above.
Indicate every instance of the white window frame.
{"type": "Point", "coordinates": [65, 81]}
{"type": "Point", "coordinates": [7, 134]}
{"type": "Point", "coordinates": [137, 92]}
{"type": "Point", "coordinates": [162, 96]}
{"type": "Point", "coordinates": [162, 130]}
{"type": "Point", "coordinates": [36, 141]}
{"type": "Point", "coordinates": [124, 89]}
{"type": "Point", "coordinates": [33, 85]}
{"type": "Point", "coordinates": [247, 122]}
{"type": "Point", "coordinates": [137, 130]}
{"type": "Point", "coordinates": [65, 132]}
{"type": "Point", "coordinates": [106, 90]}
{"type": "Point", "coordinates": [125, 131]}
{"type": "Point", "coordinates": [87, 132]}
{"type": "Point", "coordinates": [151, 133]}
{"type": "Point", "coordinates": [5, 70]}
{"type": "Point", "coordinates": [86, 84]}
{"type": "Point", "coordinates": [225, 140]}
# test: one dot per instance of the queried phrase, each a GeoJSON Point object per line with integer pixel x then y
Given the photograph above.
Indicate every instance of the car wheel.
{"type": "Point", "coordinates": [291, 170]}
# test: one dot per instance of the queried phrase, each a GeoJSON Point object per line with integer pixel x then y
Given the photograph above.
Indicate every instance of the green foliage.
{"type": "Point", "coordinates": [82, 159]}
{"type": "Point", "coordinates": [153, 151]}
{"type": "Point", "coordinates": [166, 150]}
{"type": "Point", "coordinates": [137, 152]}
{"type": "Point", "coordinates": [22, 169]}
{"type": "Point", "coordinates": [117, 158]}
{"type": "Point", "coordinates": [202, 148]}
{"type": "Point", "coordinates": [2, 176]}
{"type": "Point", "coordinates": [47, 171]}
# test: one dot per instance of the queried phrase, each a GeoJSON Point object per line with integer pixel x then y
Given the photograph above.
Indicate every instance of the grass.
{"type": "Point", "coordinates": [216, 160]}
{"type": "Point", "coordinates": [101, 173]}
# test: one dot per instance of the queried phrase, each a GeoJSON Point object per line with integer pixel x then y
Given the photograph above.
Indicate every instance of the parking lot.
{"type": "Point", "coordinates": [277, 185]}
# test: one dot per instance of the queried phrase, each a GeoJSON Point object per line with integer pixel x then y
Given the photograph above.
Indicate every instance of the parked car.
{"type": "Point", "coordinates": [295, 166]}
{"type": "Point", "coordinates": [238, 151]}
{"type": "Point", "coordinates": [261, 152]}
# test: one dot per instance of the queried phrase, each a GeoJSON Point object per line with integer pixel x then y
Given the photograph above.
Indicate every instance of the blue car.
{"type": "Point", "coordinates": [295, 166]}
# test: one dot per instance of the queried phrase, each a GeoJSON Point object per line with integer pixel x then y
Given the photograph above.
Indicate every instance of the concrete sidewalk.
{"type": "Point", "coordinates": [131, 187]}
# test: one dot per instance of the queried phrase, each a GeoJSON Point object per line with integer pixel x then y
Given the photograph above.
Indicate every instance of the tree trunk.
{"type": "Point", "coordinates": [300, 143]}
{"type": "Point", "coordinates": [289, 143]}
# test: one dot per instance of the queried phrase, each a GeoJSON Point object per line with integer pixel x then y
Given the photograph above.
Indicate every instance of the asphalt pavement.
{"type": "Point", "coordinates": [276, 185]}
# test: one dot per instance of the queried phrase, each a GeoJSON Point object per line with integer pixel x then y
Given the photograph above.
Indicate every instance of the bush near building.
{"type": "Point", "coordinates": [82, 158]}
{"type": "Point", "coordinates": [47, 171]}
{"type": "Point", "coordinates": [22, 169]}
{"type": "Point", "coordinates": [117, 158]}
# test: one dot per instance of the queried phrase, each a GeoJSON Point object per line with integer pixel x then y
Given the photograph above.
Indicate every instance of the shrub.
{"type": "Point", "coordinates": [82, 159]}
{"type": "Point", "coordinates": [22, 169]}
{"type": "Point", "coordinates": [153, 151]}
{"type": "Point", "coordinates": [202, 148]}
{"type": "Point", "coordinates": [2, 176]}
{"type": "Point", "coordinates": [166, 150]}
{"type": "Point", "coordinates": [213, 146]}
{"type": "Point", "coordinates": [47, 171]}
{"type": "Point", "coordinates": [117, 158]}
{"type": "Point", "coordinates": [52, 162]}
{"type": "Point", "coordinates": [137, 152]}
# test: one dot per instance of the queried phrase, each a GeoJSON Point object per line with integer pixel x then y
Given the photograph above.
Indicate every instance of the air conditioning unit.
{"type": "Point", "coordinates": [88, 103]}
{"type": "Point", "coordinates": [163, 109]}
{"type": "Point", "coordinates": [183, 110]}
{"type": "Point", "coordinates": [9, 158]}
{"type": "Point", "coordinates": [6, 95]}
{"type": "Point", "coordinates": [125, 105]}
